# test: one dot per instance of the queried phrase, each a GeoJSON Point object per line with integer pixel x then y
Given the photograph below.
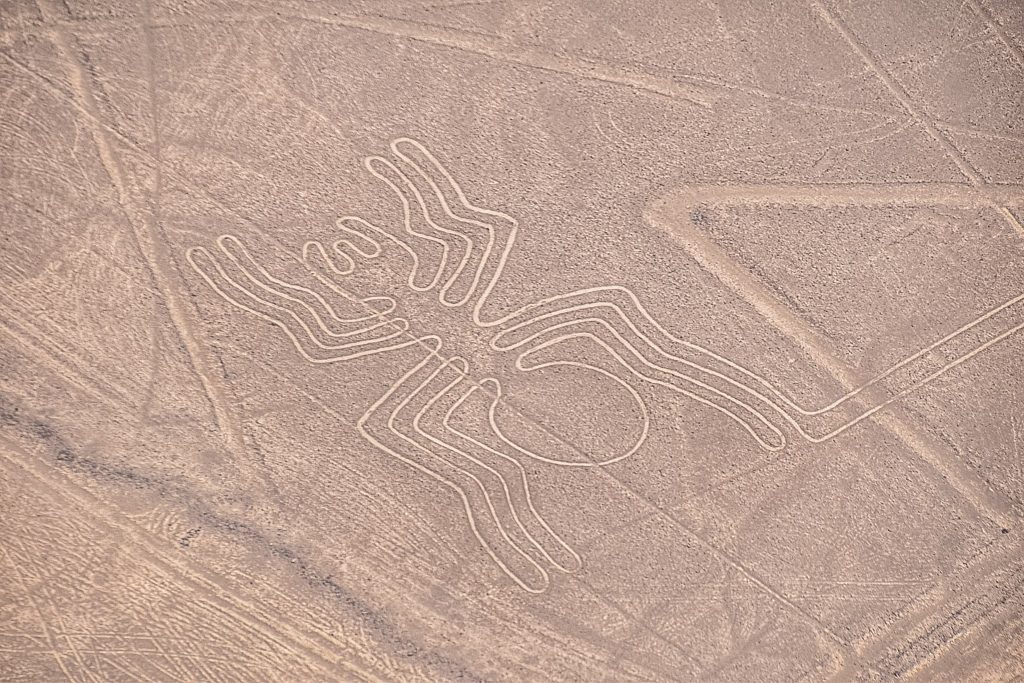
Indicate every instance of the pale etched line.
{"type": "Point", "coordinates": [345, 223]}
{"type": "Point", "coordinates": [920, 642]}
{"type": "Point", "coordinates": [460, 367]}
{"type": "Point", "coordinates": [97, 652]}
{"type": "Point", "coordinates": [449, 197]}
{"type": "Point", "coordinates": [446, 423]}
{"type": "Point", "coordinates": [48, 633]}
{"type": "Point", "coordinates": [163, 652]}
{"type": "Point", "coordinates": [101, 657]}
{"type": "Point", "coordinates": [62, 367]}
{"type": "Point", "coordinates": [751, 576]}
{"type": "Point", "coordinates": [712, 546]}
{"type": "Point", "coordinates": [587, 68]}
{"type": "Point", "coordinates": [434, 343]}
{"type": "Point", "coordinates": [742, 569]}
{"type": "Point", "coordinates": [453, 185]}
{"type": "Point", "coordinates": [545, 580]}
{"type": "Point", "coordinates": [349, 350]}
{"type": "Point", "coordinates": [831, 139]}
{"type": "Point", "coordinates": [408, 222]}
{"type": "Point", "coordinates": [700, 89]}
{"type": "Point", "coordinates": [656, 510]}
{"type": "Point", "coordinates": [496, 397]}
{"type": "Point", "coordinates": [92, 117]}
{"type": "Point", "coordinates": [154, 110]}
{"type": "Point", "coordinates": [333, 273]}
{"type": "Point", "coordinates": [50, 602]}
{"type": "Point", "coordinates": [473, 31]}
{"type": "Point", "coordinates": [224, 240]}
{"type": "Point", "coordinates": [706, 88]}
{"type": "Point", "coordinates": [982, 10]}
{"type": "Point", "coordinates": [131, 675]}
{"type": "Point", "coordinates": [686, 198]}
{"type": "Point", "coordinates": [159, 649]}
{"type": "Point", "coordinates": [952, 152]}
{"type": "Point", "coordinates": [828, 195]}
{"type": "Point", "coordinates": [79, 24]}
{"type": "Point", "coordinates": [457, 362]}
{"type": "Point", "coordinates": [231, 428]}
{"type": "Point", "coordinates": [231, 605]}
{"type": "Point", "coordinates": [898, 92]}
{"type": "Point", "coordinates": [99, 636]}
{"type": "Point", "coordinates": [447, 181]}
{"type": "Point", "coordinates": [44, 587]}
{"type": "Point", "coordinates": [189, 648]}
{"type": "Point", "coordinates": [143, 232]}
{"type": "Point", "coordinates": [666, 215]}
{"type": "Point", "coordinates": [191, 188]}
{"type": "Point", "coordinates": [311, 102]}
{"type": "Point", "coordinates": [36, 640]}
{"type": "Point", "coordinates": [416, 195]}
{"type": "Point", "coordinates": [411, 188]}
{"type": "Point", "coordinates": [973, 131]}
{"type": "Point", "coordinates": [781, 441]}
{"type": "Point", "coordinates": [758, 379]}
{"type": "Point", "coordinates": [200, 667]}
{"type": "Point", "coordinates": [145, 240]}
{"type": "Point", "coordinates": [447, 210]}
{"type": "Point", "coordinates": [244, 651]}
{"type": "Point", "coordinates": [191, 257]}
{"type": "Point", "coordinates": [974, 570]}
{"type": "Point", "coordinates": [33, 325]}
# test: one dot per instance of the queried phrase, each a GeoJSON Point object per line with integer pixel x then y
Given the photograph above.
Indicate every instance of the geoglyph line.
{"type": "Point", "coordinates": [236, 293]}
{"type": "Point", "coordinates": [781, 403]}
{"type": "Point", "coordinates": [143, 229]}
{"type": "Point", "coordinates": [446, 423]}
{"type": "Point", "coordinates": [496, 555]}
{"type": "Point", "coordinates": [673, 213]}
{"type": "Point", "coordinates": [462, 370]}
{"type": "Point", "coordinates": [256, 288]}
{"type": "Point", "coordinates": [472, 246]}
{"type": "Point", "coordinates": [854, 194]}
{"type": "Point", "coordinates": [900, 94]}
{"type": "Point", "coordinates": [209, 592]}
{"type": "Point", "coordinates": [375, 415]}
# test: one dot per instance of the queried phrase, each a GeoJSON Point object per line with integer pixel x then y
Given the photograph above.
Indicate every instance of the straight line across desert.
{"type": "Point", "coordinates": [500, 340]}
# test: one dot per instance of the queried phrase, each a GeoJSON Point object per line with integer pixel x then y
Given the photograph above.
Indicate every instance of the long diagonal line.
{"type": "Point", "coordinates": [433, 349]}
{"type": "Point", "coordinates": [43, 622]}
{"type": "Point", "coordinates": [760, 583]}
{"type": "Point", "coordinates": [713, 87]}
{"type": "Point", "coordinates": [219, 602]}
{"type": "Point", "coordinates": [719, 552]}
{"type": "Point", "coordinates": [391, 419]}
{"type": "Point", "coordinates": [900, 94]}
{"type": "Point", "coordinates": [144, 233]}
{"type": "Point", "coordinates": [420, 430]}
{"type": "Point", "coordinates": [433, 346]}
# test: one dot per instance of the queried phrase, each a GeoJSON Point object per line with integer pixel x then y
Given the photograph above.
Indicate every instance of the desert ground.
{"type": "Point", "coordinates": [511, 340]}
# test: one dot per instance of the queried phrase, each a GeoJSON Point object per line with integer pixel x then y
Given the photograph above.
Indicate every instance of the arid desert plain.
{"type": "Point", "coordinates": [511, 340]}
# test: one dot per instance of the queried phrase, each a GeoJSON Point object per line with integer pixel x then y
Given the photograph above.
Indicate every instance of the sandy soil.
{"type": "Point", "coordinates": [511, 341]}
